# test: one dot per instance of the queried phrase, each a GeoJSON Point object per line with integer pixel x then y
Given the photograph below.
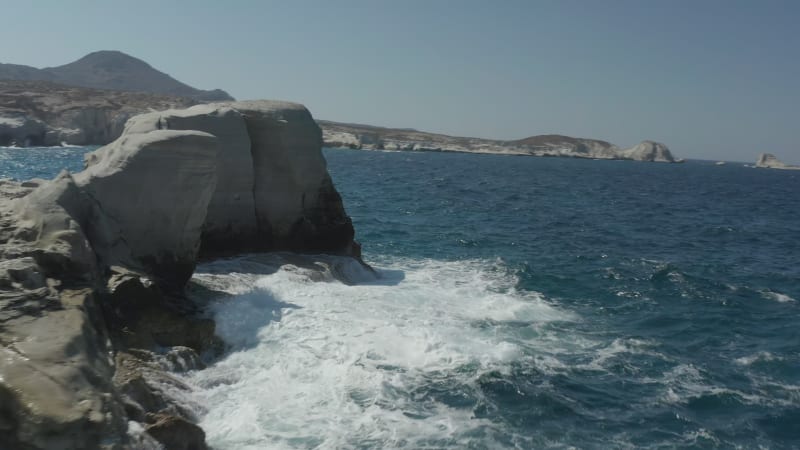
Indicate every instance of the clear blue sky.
{"type": "Point", "coordinates": [716, 79]}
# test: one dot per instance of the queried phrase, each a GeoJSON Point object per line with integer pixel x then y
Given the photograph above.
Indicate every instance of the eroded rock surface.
{"type": "Point", "coordinates": [273, 189]}
{"type": "Point", "coordinates": [93, 312]}
{"type": "Point", "coordinates": [154, 189]}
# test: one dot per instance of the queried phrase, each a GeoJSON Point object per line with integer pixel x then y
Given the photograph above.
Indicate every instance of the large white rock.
{"type": "Point", "coordinates": [231, 220]}
{"type": "Point", "coordinates": [297, 207]}
{"type": "Point", "coordinates": [649, 151]}
{"type": "Point", "coordinates": [155, 189]}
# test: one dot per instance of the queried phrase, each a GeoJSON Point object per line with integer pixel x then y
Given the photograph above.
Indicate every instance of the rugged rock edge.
{"type": "Point", "coordinates": [94, 267]}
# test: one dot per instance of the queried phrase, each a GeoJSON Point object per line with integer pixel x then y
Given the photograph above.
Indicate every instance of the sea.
{"type": "Point", "coordinates": [516, 302]}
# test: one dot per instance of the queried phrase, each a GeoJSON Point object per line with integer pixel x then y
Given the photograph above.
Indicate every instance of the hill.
{"type": "Point", "coordinates": [112, 70]}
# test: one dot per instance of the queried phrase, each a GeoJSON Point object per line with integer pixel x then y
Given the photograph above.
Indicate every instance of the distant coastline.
{"type": "Point", "coordinates": [88, 101]}
{"type": "Point", "coordinates": [368, 137]}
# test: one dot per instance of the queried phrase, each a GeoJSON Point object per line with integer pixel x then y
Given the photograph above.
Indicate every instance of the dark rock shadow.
{"type": "Point", "coordinates": [238, 317]}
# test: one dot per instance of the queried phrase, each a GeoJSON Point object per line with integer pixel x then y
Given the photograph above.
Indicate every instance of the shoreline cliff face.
{"type": "Point", "coordinates": [367, 137]}
{"type": "Point", "coordinates": [94, 266]}
{"type": "Point", "coordinates": [35, 113]}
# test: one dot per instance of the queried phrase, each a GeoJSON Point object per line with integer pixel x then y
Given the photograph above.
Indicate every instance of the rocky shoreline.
{"type": "Point", "coordinates": [40, 113]}
{"type": "Point", "coordinates": [95, 306]}
{"type": "Point", "coordinates": [367, 137]}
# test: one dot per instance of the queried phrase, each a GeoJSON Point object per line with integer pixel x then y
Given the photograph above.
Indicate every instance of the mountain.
{"type": "Point", "coordinates": [370, 137]}
{"type": "Point", "coordinates": [112, 70]}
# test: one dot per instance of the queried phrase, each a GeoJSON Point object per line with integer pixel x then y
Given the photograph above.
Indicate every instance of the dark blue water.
{"type": "Point", "coordinates": [40, 162]}
{"type": "Point", "coordinates": [686, 278]}
{"type": "Point", "coordinates": [680, 284]}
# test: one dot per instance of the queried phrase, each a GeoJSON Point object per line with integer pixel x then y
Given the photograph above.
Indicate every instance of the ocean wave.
{"type": "Point", "coordinates": [777, 296]}
{"type": "Point", "coordinates": [757, 357]}
{"type": "Point", "coordinates": [319, 363]}
{"type": "Point", "coordinates": [685, 384]}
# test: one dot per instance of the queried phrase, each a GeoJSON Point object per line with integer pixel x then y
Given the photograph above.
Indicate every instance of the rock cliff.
{"type": "Point", "coordinates": [42, 113]}
{"type": "Point", "coordinates": [377, 138]}
{"type": "Point", "coordinates": [769, 161]}
{"type": "Point", "coordinates": [93, 267]}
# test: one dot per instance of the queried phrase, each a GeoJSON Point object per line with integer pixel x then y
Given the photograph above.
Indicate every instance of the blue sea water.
{"type": "Point", "coordinates": [40, 162]}
{"type": "Point", "coordinates": [522, 303]}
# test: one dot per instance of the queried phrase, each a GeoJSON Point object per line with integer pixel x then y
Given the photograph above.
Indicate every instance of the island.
{"type": "Point", "coordinates": [769, 161]}
{"type": "Point", "coordinates": [367, 137]}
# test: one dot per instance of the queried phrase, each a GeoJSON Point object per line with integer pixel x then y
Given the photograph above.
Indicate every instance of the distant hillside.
{"type": "Point", "coordinates": [370, 137]}
{"type": "Point", "coordinates": [112, 70]}
{"type": "Point", "coordinates": [36, 113]}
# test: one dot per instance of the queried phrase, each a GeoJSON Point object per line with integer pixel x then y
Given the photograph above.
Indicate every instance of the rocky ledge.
{"type": "Point", "coordinates": [769, 161]}
{"type": "Point", "coordinates": [94, 267]}
{"type": "Point", "coordinates": [369, 137]}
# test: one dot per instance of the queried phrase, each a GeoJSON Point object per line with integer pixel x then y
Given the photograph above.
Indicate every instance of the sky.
{"type": "Point", "coordinates": [712, 79]}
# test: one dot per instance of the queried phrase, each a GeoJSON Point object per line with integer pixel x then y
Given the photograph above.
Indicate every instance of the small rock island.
{"type": "Point", "coordinates": [769, 161]}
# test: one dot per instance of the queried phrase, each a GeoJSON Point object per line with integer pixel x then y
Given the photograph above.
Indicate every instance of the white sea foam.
{"type": "Point", "coordinates": [685, 382]}
{"type": "Point", "coordinates": [319, 363]}
{"type": "Point", "coordinates": [777, 296]}
{"type": "Point", "coordinates": [757, 357]}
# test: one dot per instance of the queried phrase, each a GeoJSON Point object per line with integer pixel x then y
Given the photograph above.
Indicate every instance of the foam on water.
{"type": "Point", "coordinates": [319, 363]}
{"type": "Point", "coordinates": [778, 297]}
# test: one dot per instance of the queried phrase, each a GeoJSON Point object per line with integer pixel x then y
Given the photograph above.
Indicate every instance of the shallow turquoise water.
{"type": "Point", "coordinates": [524, 302]}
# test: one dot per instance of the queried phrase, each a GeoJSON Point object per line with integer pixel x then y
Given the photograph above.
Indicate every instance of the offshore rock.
{"type": "Point", "coordinates": [769, 161]}
{"type": "Point", "coordinates": [649, 151]}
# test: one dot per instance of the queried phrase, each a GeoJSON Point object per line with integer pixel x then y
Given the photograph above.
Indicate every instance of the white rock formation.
{"type": "Point", "coordinates": [273, 188]}
{"type": "Point", "coordinates": [155, 189]}
{"type": "Point", "coordinates": [648, 151]}
{"type": "Point", "coordinates": [769, 161]}
{"type": "Point", "coordinates": [231, 211]}
{"type": "Point", "coordinates": [90, 259]}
